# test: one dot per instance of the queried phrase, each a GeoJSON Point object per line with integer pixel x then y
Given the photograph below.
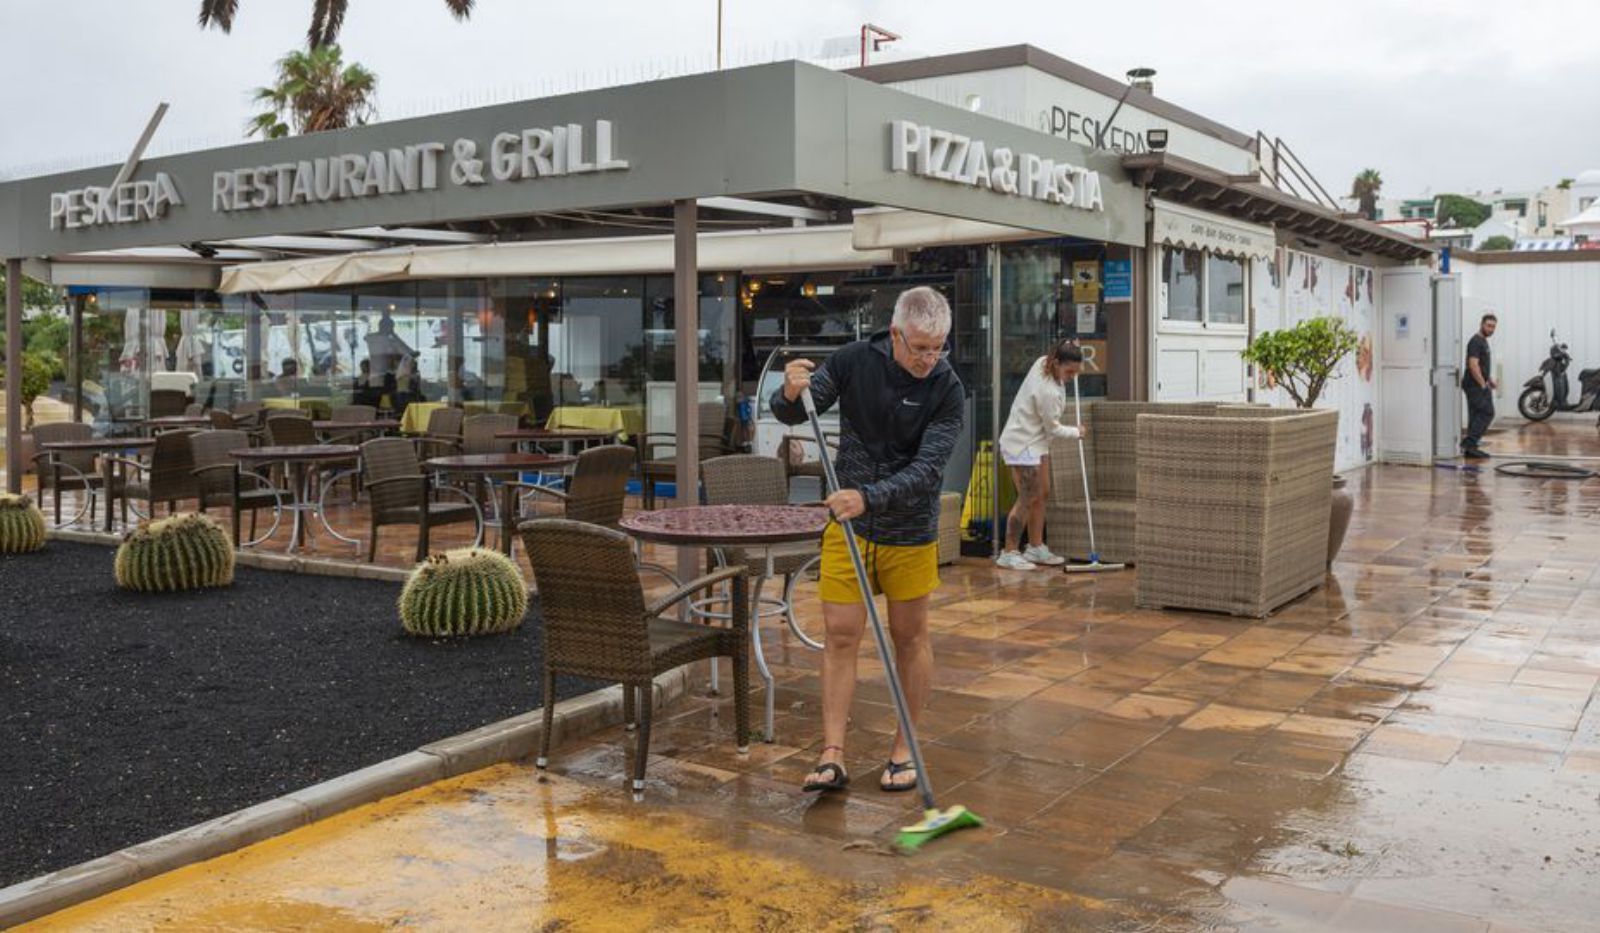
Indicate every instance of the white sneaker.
{"type": "Point", "coordinates": [1040, 554]}
{"type": "Point", "coordinates": [1011, 560]}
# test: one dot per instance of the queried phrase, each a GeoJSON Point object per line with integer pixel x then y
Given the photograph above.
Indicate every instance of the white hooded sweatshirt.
{"type": "Point", "coordinates": [1036, 415]}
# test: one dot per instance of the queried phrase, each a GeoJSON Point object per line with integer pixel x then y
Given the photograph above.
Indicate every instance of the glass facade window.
{"type": "Point", "coordinates": [526, 309]}
{"type": "Point", "coordinates": [1180, 284]}
{"type": "Point", "coordinates": [1224, 290]}
{"type": "Point", "coordinates": [1199, 287]}
{"type": "Point", "coordinates": [534, 345]}
{"type": "Point", "coordinates": [597, 341]}
{"type": "Point", "coordinates": [119, 351]}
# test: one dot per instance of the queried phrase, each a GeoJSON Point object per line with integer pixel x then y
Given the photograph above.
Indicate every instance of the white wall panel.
{"type": "Point", "coordinates": [1530, 299]}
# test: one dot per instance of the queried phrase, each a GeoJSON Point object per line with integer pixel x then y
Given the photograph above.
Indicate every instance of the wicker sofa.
{"type": "Point", "coordinates": [1233, 509]}
{"type": "Point", "coordinates": [1110, 453]}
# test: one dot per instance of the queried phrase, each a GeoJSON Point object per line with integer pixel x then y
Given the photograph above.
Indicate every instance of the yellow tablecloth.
{"type": "Point", "coordinates": [494, 408]}
{"type": "Point", "coordinates": [319, 407]}
{"type": "Point", "coordinates": [414, 420]}
{"type": "Point", "coordinates": [622, 420]}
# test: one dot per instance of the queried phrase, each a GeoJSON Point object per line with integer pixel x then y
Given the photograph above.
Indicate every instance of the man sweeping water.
{"type": "Point", "coordinates": [900, 412]}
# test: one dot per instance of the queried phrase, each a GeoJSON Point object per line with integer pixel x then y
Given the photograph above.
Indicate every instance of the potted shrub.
{"type": "Point", "coordinates": [1301, 359]}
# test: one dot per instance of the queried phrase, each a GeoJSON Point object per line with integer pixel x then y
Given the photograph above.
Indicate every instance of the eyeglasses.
{"type": "Point", "coordinates": [940, 354]}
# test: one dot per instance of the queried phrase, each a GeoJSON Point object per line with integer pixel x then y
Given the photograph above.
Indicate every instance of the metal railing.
{"type": "Point", "coordinates": [1289, 174]}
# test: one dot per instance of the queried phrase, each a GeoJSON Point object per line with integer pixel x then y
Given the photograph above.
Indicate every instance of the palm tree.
{"type": "Point", "coordinates": [315, 91]}
{"type": "Point", "coordinates": [327, 17]}
{"type": "Point", "coordinates": [1365, 190]}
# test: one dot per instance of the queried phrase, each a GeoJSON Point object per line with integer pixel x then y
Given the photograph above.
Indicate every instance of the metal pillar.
{"type": "Point", "coordinates": [75, 356]}
{"type": "Point", "coordinates": [997, 416]}
{"type": "Point", "coordinates": [686, 353]}
{"type": "Point", "coordinates": [14, 375]}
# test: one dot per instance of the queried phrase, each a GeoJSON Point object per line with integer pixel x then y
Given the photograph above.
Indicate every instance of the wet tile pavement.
{"type": "Point", "coordinates": [1414, 747]}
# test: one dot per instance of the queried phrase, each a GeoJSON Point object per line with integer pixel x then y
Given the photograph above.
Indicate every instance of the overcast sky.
{"type": "Point", "coordinates": [1436, 94]}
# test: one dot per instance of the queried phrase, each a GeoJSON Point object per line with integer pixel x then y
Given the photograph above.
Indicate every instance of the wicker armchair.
{"type": "Point", "coordinates": [67, 471]}
{"type": "Point", "coordinates": [751, 479]}
{"type": "Point", "coordinates": [598, 486]}
{"type": "Point", "coordinates": [232, 421]}
{"type": "Point", "coordinates": [443, 435]}
{"type": "Point", "coordinates": [1234, 509]}
{"type": "Point", "coordinates": [401, 494]}
{"type": "Point", "coordinates": [290, 429]}
{"type": "Point", "coordinates": [222, 482]}
{"type": "Point", "coordinates": [655, 468]}
{"type": "Point", "coordinates": [348, 413]}
{"type": "Point", "coordinates": [478, 434]}
{"type": "Point", "coordinates": [249, 414]}
{"type": "Point", "coordinates": [169, 476]}
{"type": "Point", "coordinates": [597, 624]}
{"type": "Point", "coordinates": [1110, 452]}
{"type": "Point", "coordinates": [792, 451]}
{"type": "Point", "coordinates": [194, 409]}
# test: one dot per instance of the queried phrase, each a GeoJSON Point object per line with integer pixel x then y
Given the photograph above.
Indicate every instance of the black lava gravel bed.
{"type": "Point", "coordinates": [126, 716]}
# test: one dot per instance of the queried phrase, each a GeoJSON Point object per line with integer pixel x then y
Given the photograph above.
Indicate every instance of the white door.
{"type": "Point", "coordinates": [1197, 357]}
{"type": "Point", "coordinates": [1405, 334]}
{"type": "Point", "coordinates": [1447, 362]}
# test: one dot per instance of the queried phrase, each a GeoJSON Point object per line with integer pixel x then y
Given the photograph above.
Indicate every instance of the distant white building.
{"type": "Point", "coordinates": [1583, 224]}
{"type": "Point", "coordinates": [1547, 219]}
{"type": "Point", "coordinates": [1501, 224]}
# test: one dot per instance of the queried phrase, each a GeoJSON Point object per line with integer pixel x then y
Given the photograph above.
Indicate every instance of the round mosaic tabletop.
{"type": "Point", "coordinates": [732, 525]}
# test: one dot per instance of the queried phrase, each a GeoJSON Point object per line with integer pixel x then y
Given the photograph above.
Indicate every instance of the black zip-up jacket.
{"type": "Point", "coordinates": [896, 435]}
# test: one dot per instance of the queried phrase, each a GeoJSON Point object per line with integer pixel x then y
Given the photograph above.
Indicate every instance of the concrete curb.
{"type": "Point", "coordinates": [508, 740]}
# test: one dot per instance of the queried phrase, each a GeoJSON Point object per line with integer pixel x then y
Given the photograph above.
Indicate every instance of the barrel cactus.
{"type": "Point", "coordinates": [184, 552]}
{"type": "Point", "coordinates": [21, 525]}
{"type": "Point", "coordinates": [468, 591]}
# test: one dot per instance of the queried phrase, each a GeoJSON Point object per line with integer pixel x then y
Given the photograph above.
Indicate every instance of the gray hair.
{"type": "Point", "coordinates": [923, 310]}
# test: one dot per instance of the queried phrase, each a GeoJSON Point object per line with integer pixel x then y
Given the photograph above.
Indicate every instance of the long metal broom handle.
{"type": "Point", "coordinates": [884, 654]}
{"type": "Point", "coordinates": [1083, 468]}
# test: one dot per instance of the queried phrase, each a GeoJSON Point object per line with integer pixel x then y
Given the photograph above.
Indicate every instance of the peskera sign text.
{"type": "Point", "coordinates": [129, 202]}
{"type": "Point", "coordinates": [919, 149]}
{"type": "Point", "coordinates": [542, 152]}
{"type": "Point", "coordinates": [1086, 130]}
{"type": "Point", "coordinates": [558, 151]}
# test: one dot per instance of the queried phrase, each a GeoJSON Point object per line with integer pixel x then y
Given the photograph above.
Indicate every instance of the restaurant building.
{"type": "Point", "coordinates": [629, 255]}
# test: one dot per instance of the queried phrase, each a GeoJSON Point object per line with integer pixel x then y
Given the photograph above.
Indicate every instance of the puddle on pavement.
{"type": "Point", "coordinates": [501, 850]}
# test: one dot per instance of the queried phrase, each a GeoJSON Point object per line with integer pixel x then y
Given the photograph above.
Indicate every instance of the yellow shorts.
{"type": "Point", "coordinates": [902, 573]}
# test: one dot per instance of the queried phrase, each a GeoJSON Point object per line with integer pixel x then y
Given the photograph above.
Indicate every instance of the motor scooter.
{"type": "Point", "coordinates": [1547, 393]}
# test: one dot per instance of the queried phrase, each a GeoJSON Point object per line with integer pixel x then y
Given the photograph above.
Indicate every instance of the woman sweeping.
{"type": "Point", "coordinates": [1025, 447]}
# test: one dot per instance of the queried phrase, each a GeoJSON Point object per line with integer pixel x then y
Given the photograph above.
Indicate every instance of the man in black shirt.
{"type": "Point", "coordinates": [1478, 385]}
{"type": "Point", "coordinates": [900, 413]}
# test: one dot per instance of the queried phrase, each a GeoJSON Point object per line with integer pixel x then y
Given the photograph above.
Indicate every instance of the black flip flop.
{"type": "Point", "coordinates": [893, 768]}
{"type": "Point", "coordinates": [837, 782]}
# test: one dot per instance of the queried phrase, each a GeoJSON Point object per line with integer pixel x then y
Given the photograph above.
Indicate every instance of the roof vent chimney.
{"type": "Point", "coordinates": [1143, 78]}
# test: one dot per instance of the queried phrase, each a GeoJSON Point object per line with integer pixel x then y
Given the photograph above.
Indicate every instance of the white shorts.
{"type": "Point", "coordinates": [1024, 458]}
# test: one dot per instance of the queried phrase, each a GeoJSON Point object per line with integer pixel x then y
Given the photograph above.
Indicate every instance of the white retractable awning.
{"type": "Point", "coordinates": [1177, 225]}
{"type": "Point", "coordinates": [891, 228]}
{"type": "Point", "coordinates": [755, 251]}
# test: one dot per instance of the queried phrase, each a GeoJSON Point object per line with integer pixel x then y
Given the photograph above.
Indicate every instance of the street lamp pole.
{"type": "Point", "coordinates": [1136, 76]}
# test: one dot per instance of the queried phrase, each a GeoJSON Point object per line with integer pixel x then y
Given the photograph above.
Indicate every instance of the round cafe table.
{"type": "Point", "coordinates": [490, 466]}
{"type": "Point", "coordinates": [747, 527]}
{"type": "Point", "coordinates": [566, 437]}
{"type": "Point", "coordinates": [175, 422]}
{"type": "Point", "coordinates": [346, 432]}
{"type": "Point", "coordinates": [105, 447]}
{"type": "Point", "coordinates": [377, 425]}
{"type": "Point", "coordinates": [298, 458]}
